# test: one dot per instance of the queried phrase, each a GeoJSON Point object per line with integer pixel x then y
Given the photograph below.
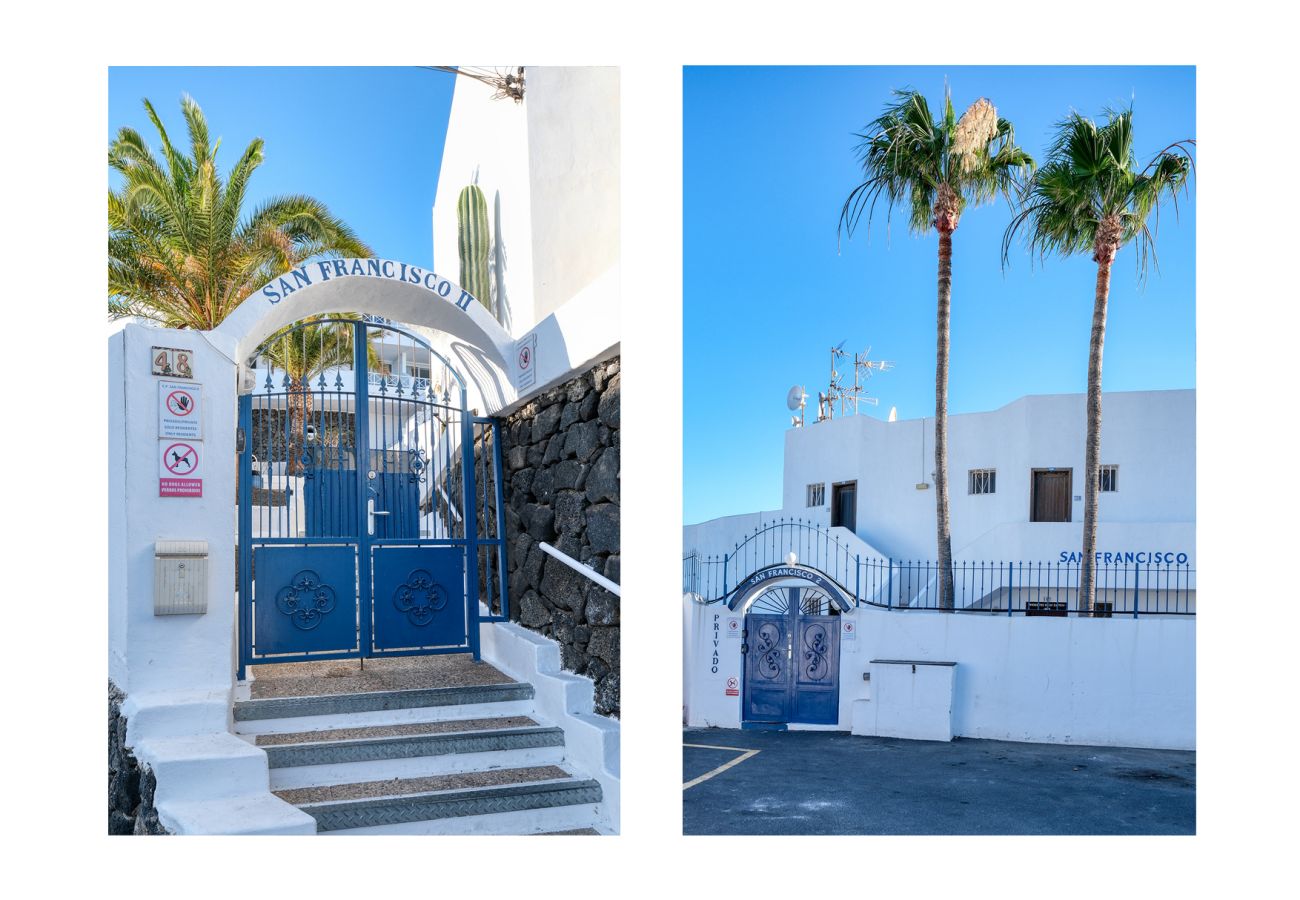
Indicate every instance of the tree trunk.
{"type": "Point", "coordinates": [300, 406]}
{"type": "Point", "coordinates": [946, 599]}
{"type": "Point", "coordinates": [1092, 453]}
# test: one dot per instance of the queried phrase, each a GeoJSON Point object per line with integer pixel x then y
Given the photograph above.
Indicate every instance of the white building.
{"type": "Point", "coordinates": [854, 541]}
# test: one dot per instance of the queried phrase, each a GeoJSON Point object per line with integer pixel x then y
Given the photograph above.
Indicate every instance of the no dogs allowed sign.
{"type": "Point", "coordinates": [178, 468]}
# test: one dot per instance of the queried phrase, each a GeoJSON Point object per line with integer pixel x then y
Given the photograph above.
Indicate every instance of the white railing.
{"type": "Point", "coordinates": [582, 569]}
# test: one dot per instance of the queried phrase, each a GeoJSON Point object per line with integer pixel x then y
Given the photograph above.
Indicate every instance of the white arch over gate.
{"type": "Point", "coordinates": [785, 575]}
{"type": "Point", "coordinates": [447, 315]}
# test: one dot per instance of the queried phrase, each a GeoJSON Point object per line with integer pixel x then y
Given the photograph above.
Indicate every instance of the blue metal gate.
{"type": "Point", "coordinates": [362, 530]}
{"type": "Point", "coordinates": [792, 657]}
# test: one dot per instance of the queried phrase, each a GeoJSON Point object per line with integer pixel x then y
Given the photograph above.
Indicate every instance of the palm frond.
{"type": "Point", "coordinates": [1091, 176]}
{"type": "Point", "coordinates": [181, 250]}
{"type": "Point", "coordinates": [906, 155]}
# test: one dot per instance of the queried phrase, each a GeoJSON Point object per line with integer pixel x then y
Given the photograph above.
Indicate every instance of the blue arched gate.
{"type": "Point", "coordinates": [368, 524]}
{"type": "Point", "coordinates": [791, 646]}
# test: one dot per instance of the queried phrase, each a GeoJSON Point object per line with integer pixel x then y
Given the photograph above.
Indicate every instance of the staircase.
{"type": "Point", "coordinates": [366, 753]}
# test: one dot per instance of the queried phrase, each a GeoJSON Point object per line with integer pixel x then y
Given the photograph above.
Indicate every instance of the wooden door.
{"type": "Point", "coordinates": [1050, 495]}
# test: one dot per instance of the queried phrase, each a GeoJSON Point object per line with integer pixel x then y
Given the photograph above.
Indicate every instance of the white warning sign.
{"type": "Point", "coordinates": [178, 410]}
{"type": "Point", "coordinates": [526, 361]}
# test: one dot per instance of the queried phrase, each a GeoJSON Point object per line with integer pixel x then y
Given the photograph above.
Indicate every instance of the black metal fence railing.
{"type": "Point", "coordinates": [1133, 588]}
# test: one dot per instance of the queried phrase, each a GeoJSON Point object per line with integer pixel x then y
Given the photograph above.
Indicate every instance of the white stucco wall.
{"type": "Point", "coordinates": [573, 136]}
{"type": "Point", "coordinates": [549, 169]}
{"type": "Point", "coordinates": [487, 144]}
{"type": "Point", "coordinates": [1150, 435]}
{"type": "Point", "coordinates": [1109, 682]}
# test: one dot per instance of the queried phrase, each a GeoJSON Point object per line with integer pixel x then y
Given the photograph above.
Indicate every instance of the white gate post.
{"type": "Point", "coordinates": [171, 653]}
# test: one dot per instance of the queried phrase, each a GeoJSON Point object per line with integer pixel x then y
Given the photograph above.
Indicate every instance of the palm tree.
{"type": "Point", "coordinates": [1090, 197]}
{"type": "Point", "coordinates": [303, 351]}
{"type": "Point", "coordinates": [180, 250]}
{"type": "Point", "coordinates": [936, 168]}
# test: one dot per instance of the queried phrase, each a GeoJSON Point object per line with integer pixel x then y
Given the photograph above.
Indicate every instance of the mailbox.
{"type": "Point", "coordinates": [180, 578]}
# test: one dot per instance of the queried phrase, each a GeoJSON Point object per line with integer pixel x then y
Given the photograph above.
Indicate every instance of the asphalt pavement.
{"type": "Point", "coordinates": [804, 782]}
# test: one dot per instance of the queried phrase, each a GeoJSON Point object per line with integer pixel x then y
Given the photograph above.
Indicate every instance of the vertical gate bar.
{"type": "Point", "coordinates": [501, 518]}
{"type": "Point", "coordinates": [286, 524]}
{"type": "Point", "coordinates": [469, 518]}
{"type": "Point", "coordinates": [1136, 578]}
{"type": "Point", "coordinates": [245, 533]}
{"type": "Point", "coordinates": [444, 489]}
{"type": "Point", "coordinates": [1011, 581]}
{"type": "Point", "coordinates": [889, 598]}
{"type": "Point", "coordinates": [361, 426]}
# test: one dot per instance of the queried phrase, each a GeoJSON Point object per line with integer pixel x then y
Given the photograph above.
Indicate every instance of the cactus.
{"type": "Point", "coordinates": [472, 244]}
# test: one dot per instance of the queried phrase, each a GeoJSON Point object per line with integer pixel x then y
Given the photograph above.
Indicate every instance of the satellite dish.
{"type": "Point", "coordinates": [794, 397]}
{"type": "Point", "coordinates": [893, 413]}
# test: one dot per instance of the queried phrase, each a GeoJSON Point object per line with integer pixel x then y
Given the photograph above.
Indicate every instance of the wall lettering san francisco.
{"type": "Point", "coordinates": [387, 269]}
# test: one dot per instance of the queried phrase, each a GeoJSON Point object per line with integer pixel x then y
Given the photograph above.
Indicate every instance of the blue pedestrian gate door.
{"type": "Point", "coordinates": [792, 656]}
{"type": "Point", "coordinates": [359, 530]}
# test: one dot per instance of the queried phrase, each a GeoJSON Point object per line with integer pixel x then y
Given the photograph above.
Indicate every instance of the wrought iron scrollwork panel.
{"type": "Point", "coordinates": [816, 647]}
{"type": "Point", "coordinates": [305, 600]}
{"type": "Point", "coordinates": [420, 597]}
{"type": "Point", "coordinates": [771, 651]}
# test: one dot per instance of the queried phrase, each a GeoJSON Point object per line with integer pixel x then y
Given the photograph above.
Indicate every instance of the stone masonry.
{"type": "Point", "coordinates": [130, 788]}
{"type": "Point", "coordinates": [561, 458]}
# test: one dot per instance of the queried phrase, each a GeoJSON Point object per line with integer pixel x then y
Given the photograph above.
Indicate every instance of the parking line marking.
{"type": "Point", "coordinates": [744, 755]}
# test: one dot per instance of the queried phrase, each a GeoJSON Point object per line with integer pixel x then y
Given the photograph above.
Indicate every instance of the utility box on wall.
{"type": "Point", "coordinates": [910, 698]}
{"type": "Point", "coordinates": [180, 579]}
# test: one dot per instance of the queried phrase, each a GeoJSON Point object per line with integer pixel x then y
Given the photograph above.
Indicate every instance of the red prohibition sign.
{"type": "Point", "coordinates": [524, 358]}
{"type": "Point", "coordinates": [180, 459]}
{"type": "Point", "coordinates": [180, 403]}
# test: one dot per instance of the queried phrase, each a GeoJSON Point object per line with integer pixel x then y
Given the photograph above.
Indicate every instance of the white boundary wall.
{"type": "Point", "coordinates": [1111, 682]}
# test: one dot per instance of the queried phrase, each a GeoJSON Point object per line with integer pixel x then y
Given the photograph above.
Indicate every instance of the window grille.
{"type": "Point", "coordinates": [983, 481]}
{"type": "Point", "coordinates": [1108, 478]}
{"type": "Point", "coordinates": [817, 494]}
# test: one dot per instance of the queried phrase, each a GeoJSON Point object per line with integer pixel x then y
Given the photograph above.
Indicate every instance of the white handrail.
{"type": "Point", "coordinates": [582, 569]}
{"type": "Point", "coordinates": [451, 506]}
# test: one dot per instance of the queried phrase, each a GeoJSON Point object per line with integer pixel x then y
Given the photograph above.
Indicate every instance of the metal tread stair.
{"type": "Point", "coordinates": [430, 760]}
{"type": "Point", "coordinates": [427, 806]}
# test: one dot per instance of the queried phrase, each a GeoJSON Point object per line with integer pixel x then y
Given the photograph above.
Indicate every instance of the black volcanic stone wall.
{"type": "Point", "coordinates": [561, 457]}
{"type": "Point", "coordinates": [130, 788]}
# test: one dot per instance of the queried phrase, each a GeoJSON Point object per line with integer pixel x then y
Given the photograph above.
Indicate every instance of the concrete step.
{"type": "Point", "coordinates": [277, 715]}
{"type": "Point", "coordinates": [402, 802]}
{"type": "Point", "coordinates": [257, 814]}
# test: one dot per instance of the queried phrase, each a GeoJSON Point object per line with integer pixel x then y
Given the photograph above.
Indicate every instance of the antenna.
{"type": "Point", "coordinates": [795, 399]}
{"type": "Point", "coordinates": [863, 368]}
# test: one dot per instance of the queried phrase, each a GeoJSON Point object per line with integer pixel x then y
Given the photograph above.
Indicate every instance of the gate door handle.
{"type": "Point", "coordinates": [371, 512]}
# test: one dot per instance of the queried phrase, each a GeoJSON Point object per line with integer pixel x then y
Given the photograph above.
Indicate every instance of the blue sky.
{"type": "Point", "coordinates": [365, 141]}
{"type": "Point", "coordinates": [769, 159]}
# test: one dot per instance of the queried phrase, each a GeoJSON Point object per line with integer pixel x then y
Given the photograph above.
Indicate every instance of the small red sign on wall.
{"type": "Point", "coordinates": [733, 686]}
